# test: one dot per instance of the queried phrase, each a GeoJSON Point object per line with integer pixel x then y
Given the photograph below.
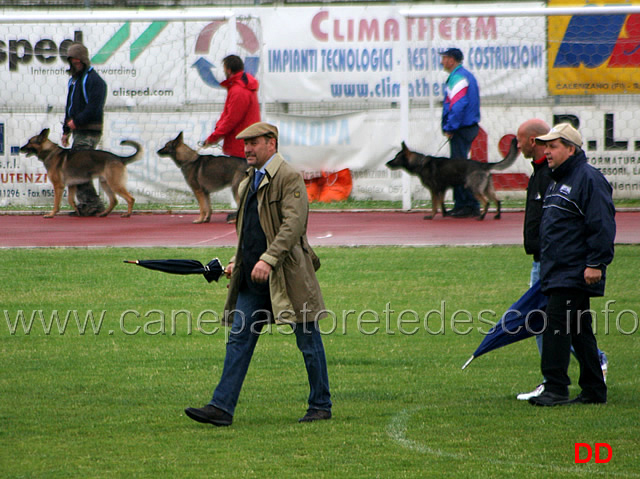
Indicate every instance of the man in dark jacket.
{"type": "Point", "coordinates": [577, 234]}
{"type": "Point", "coordinates": [241, 108]}
{"type": "Point", "coordinates": [83, 119]}
{"type": "Point", "coordinates": [538, 184]}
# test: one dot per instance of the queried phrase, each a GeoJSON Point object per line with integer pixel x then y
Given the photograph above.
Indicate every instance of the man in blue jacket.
{"type": "Point", "coordinates": [577, 233]}
{"type": "Point", "coordinates": [84, 111]}
{"type": "Point", "coordinates": [460, 117]}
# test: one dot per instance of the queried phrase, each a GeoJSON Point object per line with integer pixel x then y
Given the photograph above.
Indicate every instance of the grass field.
{"type": "Point", "coordinates": [107, 399]}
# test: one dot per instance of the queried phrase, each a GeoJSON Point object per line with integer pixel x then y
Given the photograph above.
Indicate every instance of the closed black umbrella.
{"type": "Point", "coordinates": [211, 271]}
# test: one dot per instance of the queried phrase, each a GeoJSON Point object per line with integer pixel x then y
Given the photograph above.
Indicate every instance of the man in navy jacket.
{"type": "Point", "coordinates": [84, 112]}
{"type": "Point", "coordinates": [576, 245]}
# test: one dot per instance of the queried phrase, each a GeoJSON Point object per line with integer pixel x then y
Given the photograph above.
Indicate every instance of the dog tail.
{"type": "Point", "coordinates": [136, 156]}
{"type": "Point", "coordinates": [509, 159]}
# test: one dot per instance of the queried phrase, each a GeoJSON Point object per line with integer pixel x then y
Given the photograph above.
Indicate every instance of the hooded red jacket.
{"type": "Point", "coordinates": [241, 109]}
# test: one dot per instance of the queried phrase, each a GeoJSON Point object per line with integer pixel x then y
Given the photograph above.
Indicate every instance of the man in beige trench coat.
{"type": "Point", "coordinates": [272, 278]}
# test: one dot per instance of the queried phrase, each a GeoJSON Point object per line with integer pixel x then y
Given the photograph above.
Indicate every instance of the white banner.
{"type": "Point", "coordinates": [163, 77]}
{"type": "Point", "coordinates": [355, 53]}
{"type": "Point", "coordinates": [328, 53]}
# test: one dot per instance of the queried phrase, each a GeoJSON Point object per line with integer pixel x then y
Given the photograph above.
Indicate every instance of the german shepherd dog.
{"type": "Point", "coordinates": [206, 174]}
{"type": "Point", "coordinates": [438, 174]}
{"type": "Point", "coordinates": [69, 167]}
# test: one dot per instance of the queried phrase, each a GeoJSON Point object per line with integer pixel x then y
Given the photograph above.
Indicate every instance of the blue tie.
{"type": "Point", "coordinates": [257, 178]}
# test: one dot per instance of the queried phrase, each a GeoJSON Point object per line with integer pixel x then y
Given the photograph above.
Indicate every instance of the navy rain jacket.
{"type": "Point", "coordinates": [578, 226]}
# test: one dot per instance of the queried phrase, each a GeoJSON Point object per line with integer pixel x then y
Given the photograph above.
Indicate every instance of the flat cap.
{"type": "Point", "coordinates": [258, 129]}
{"type": "Point", "coordinates": [564, 131]}
{"type": "Point", "coordinates": [454, 53]}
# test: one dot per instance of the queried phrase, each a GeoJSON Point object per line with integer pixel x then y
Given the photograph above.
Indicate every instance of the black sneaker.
{"type": "Point", "coordinates": [581, 399]}
{"type": "Point", "coordinates": [315, 415]}
{"type": "Point", "coordinates": [547, 398]}
{"type": "Point", "coordinates": [209, 415]}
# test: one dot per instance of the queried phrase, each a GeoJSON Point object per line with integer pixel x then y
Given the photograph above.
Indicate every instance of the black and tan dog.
{"type": "Point", "coordinates": [438, 174]}
{"type": "Point", "coordinates": [69, 167]}
{"type": "Point", "coordinates": [205, 174]}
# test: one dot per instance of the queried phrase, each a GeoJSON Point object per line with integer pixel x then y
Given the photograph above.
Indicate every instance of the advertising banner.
{"type": "Point", "coordinates": [594, 54]}
{"type": "Point", "coordinates": [165, 77]}
{"type": "Point", "coordinates": [355, 53]}
{"type": "Point", "coordinates": [327, 54]}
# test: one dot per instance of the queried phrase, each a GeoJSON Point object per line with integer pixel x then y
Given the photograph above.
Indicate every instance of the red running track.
{"type": "Point", "coordinates": [325, 229]}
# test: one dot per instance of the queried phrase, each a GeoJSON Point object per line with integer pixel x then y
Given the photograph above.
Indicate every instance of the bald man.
{"type": "Point", "coordinates": [538, 183]}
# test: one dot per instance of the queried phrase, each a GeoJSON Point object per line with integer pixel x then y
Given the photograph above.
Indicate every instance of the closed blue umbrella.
{"type": "Point", "coordinates": [524, 319]}
{"type": "Point", "coordinates": [211, 271]}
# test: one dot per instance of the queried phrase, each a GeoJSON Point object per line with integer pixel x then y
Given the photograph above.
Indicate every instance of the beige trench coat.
{"type": "Point", "coordinates": [283, 210]}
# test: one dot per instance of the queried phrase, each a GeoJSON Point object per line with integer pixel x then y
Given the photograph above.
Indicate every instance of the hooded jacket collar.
{"type": "Point", "coordinates": [242, 79]}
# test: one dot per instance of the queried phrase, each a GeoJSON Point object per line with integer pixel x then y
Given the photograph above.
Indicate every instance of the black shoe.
{"type": "Point", "coordinates": [315, 415]}
{"type": "Point", "coordinates": [209, 415]}
{"type": "Point", "coordinates": [461, 213]}
{"type": "Point", "coordinates": [580, 399]}
{"type": "Point", "coordinates": [547, 398]}
{"type": "Point", "coordinates": [475, 213]}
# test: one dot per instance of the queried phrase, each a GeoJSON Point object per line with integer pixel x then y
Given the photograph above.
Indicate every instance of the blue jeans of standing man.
{"type": "Point", "coordinates": [460, 146]}
{"type": "Point", "coordinates": [252, 313]}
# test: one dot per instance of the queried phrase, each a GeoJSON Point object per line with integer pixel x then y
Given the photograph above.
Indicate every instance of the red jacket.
{"type": "Point", "coordinates": [241, 109]}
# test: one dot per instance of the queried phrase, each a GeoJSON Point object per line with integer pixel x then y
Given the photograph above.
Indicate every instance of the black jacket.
{"type": "Point", "coordinates": [85, 101]}
{"type": "Point", "coordinates": [536, 189]}
{"type": "Point", "coordinates": [578, 226]}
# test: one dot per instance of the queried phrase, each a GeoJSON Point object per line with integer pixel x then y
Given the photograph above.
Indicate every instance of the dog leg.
{"type": "Point", "coordinates": [114, 183]}
{"type": "Point", "coordinates": [204, 205]}
{"type": "Point", "coordinates": [443, 208]}
{"type": "Point", "coordinates": [434, 209]}
{"type": "Point", "coordinates": [125, 195]}
{"type": "Point", "coordinates": [130, 202]}
{"type": "Point", "coordinates": [491, 194]}
{"type": "Point", "coordinates": [72, 198]}
{"type": "Point", "coordinates": [485, 207]}
{"type": "Point", "coordinates": [58, 190]}
{"type": "Point", "coordinates": [435, 202]}
{"type": "Point", "coordinates": [497, 216]}
{"type": "Point", "coordinates": [112, 198]}
{"type": "Point", "coordinates": [207, 208]}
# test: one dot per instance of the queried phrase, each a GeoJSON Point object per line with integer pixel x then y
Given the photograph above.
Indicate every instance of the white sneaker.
{"type": "Point", "coordinates": [533, 394]}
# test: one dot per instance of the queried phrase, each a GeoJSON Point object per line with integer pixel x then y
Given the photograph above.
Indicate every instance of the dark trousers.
{"type": "Point", "coordinates": [460, 145]}
{"type": "Point", "coordinates": [88, 201]}
{"type": "Point", "coordinates": [569, 323]}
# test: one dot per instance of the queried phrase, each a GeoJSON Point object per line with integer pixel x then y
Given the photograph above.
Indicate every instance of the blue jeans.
{"type": "Point", "coordinates": [535, 276]}
{"type": "Point", "coordinates": [252, 313]}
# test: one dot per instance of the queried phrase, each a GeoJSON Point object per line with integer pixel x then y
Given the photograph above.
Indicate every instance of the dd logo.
{"type": "Point", "coordinates": [598, 447]}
